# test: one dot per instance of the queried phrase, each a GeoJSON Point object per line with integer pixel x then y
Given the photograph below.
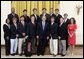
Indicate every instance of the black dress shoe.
{"type": "Point", "coordinates": [20, 54]}
{"type": "Point", "coordinates": [13, 54]}
{"type": "Point", "coordinates": [7, 54]}
{"type": "Point", "coordinates": [42, 54]}
{"type": "Point", "coordinates": [63, 55]}
{"type": "Point", "coordinates": [38, 54]}
{"type": "Point", "coordinates": [58, 53]}
{"type": "Point", "coordinates": [54, 55]}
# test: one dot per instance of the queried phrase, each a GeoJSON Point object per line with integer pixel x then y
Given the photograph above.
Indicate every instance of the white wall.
{"type": "Point", "coordinates": [5, 10]}
{"type": "Point", "coordinates": [70, 8]}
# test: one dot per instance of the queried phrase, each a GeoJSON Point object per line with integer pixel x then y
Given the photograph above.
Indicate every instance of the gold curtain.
{"type": "Point", "coordinates": [29, 5]}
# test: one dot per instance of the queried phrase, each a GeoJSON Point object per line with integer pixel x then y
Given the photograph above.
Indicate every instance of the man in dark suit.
{"type": "Point", "coordinates": [57, 16]}
{"type": "Point", "coordinates": [26, 18]}
{"type": "Point", "coordinates": [45, 14]}
{"type": "Point", "coordinates": [31, 33]}
{"type": "Point", "coordinates": [42, 35]}
{"type": "Point", "coordinates": [62, 37]}
{"type": "Point", "coordinates": [13, 14]}
{"type": "Point", "coordinates": [37, 19]}
{"type": "Point", "coordinates": [66, 20]}
{"type": "Point", "coordinates": [52, 12]}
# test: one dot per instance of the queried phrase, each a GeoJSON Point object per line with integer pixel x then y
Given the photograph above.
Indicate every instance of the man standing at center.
{"type": "Point", "coordinates": [42, 35]}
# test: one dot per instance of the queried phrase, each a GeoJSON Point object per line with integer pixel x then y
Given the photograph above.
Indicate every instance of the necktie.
{"type": "Point", "coordinates": [43, 24]}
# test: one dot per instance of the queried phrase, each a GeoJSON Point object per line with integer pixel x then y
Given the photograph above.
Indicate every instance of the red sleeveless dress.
{"type": "Point", "coordinates": [71, 29]}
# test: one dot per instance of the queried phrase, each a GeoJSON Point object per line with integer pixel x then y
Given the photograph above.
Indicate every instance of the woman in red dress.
{"type": "Point", "coordinates": [72, 36]}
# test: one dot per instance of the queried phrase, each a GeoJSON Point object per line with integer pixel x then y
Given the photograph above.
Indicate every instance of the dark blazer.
{"type": "Point", "coordinates": [54, 31]}
{"type": "Point", "coordinates": [43, 33]}
{"type": "Point", "coordinates": [14, 31]}
{"type": "Point", "coordinates": [47, 17]}
{"type": "Point", "coordinates": [10, 17]}
{"type": "Point", "coordinates": [36, 19]}
{"type": "Point", "coordinates": [6, 30]}
{"type": "Point", "coordinates": [26, 19]}
{"type": "Point", "coordinates": [31, 30]}
{"type": "Point", "coordinates": [22, 29]}
{"type": "Point", "coordinates": [53, 15]}
{"type": "Point", "coordinates": [57, 19]}
{"type": "Point", "coordinates": [67, 22]}
{"type": "Point", "coordinates": [63, 31]}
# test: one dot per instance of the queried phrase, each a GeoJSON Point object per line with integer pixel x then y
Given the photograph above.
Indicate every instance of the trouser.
{"type": "Point", "coordinates": [67, 43]}
{"type": "Point", "coordinates": [41, 46]}
{"type": "Point", "coordinates": [54, 46]}
{"type": "Point", "coordinates": [7, 46]}
{"type": "Point", "coordinates": [20, 45]}
{"type": "Point", "coordinates": [62, 46]}
{"type": "Point", "coordinates": [13, 47]}
{"type": "Point", "coordinates": [33, 45]}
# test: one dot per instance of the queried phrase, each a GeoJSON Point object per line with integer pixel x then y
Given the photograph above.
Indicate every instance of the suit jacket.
{"type": "Point", "coordinates": [54, 31]}
{"type": "Point", "coordinates": [26, 19]}
{"type": "Point", "coordinates": [36, 19]}
{"type": "Point", "coordinates": [6, 30]}
{"type": "Point", "coordinates": [53, 15]}
{"type": "Point", "coordinates": [47, 17]}
{"type": "Point", "coordinates": [14, 31]}
{"type": "Point", "coordinates": [57, 19]}
{"type": "Point", "coordinates": [31, 30]}
{"type": "Point", "coordinates": [10, 17]}
{"type": "Point", "coordinates": [22, 29]}
{"type": "Point", "coordinates": [67, 22]}
{"type": "Point", "coordinates": [63, 31]}
{"type": "Point", "coordinates": [43, 33]}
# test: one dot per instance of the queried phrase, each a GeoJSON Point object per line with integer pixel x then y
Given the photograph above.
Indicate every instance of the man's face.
{"type": "Point", "coordinates": [12, 10]}
{"type": "Point", "coordinates": [35, 11]}
{"type": "Point", "coordinates": [52, 19]}
{"type": "Point", "coordinates": [14, 20]}
{"type": "Point", "coordinates": [56, 11]}
{"type": "Point", "coordinates": [44, 11]}
{"type": "Point", "coordinates": [32, 18]}
{"type": "Point", "coordinates": [22, 19]}
{"type": "Point", "coordinates": [65, 16]}
{"type": "Point", "coordinates": [51, 11]}
{"type": "Point", "coordinates": [43, 18]}
{"type": "Point", "coordinates": [25, 13]}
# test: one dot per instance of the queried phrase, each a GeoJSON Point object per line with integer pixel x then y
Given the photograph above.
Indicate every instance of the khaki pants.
{"type": "Point", "coordinates": [21, 40]}
{"type": "Point", "coordinates": [54, 46]}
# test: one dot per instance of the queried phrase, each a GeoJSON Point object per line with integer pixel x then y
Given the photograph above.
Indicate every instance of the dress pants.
{"type": "Point", "coordinates": [54, 46]}
{"type": "Point", "coordinates": [21, 40]}
{"type": "Point", "coordinates": [41, 46]}
{"type": "Point", "coordinates": [14, 43]}
{"type": "Point", "coordinates": [33, 45]}
{"type": "Point", "coordinates": [7, 46]}
{"type": "Point", "coordinates": [62, 46]}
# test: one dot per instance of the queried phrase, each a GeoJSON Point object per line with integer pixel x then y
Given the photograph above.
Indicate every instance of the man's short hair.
{"type": "Point", "coordinates": [34, 9]}
{"type": "Point", "coordinates": [56, 9]}
{"type": "Point", "coordinates": [24, 10]}
{"type": "Point", "coordinates": [43, 8]}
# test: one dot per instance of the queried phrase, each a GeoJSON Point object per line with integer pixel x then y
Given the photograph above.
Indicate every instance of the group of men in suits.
{"type": "Point", "coordinates": [35, 29]}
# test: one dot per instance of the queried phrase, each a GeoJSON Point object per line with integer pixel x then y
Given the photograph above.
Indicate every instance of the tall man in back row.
{"type": "Point", "coordinates": [12, 15]}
